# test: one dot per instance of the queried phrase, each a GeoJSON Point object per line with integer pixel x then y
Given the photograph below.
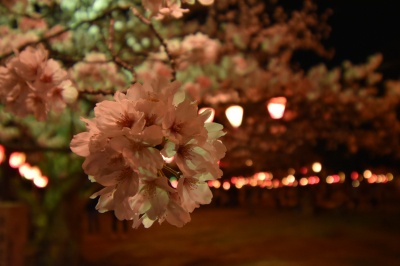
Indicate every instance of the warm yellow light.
{"type": "Point", "coordinates": [41, 181]}
{"type": "Point", "coordinates": [25, 169]}
{"type": "Point", "coordinates": [389, 176]}
{"type": "Point", "coordinates": [355, 183]}
{"type": "Point", "coordinates": [276, 107]}
{"type": "Point", "coordinates": [290, 178]}
{"type": "Point", "coordinates": [330, 179]}
{"type": "Point", "coordinates": [316, 167]}
{"type": "Point", "coordinates": [212, 115]}
{"type": "Point", "coordinates": [17, 159]}
{"type": "Point", "coordinates": [260, 176]}
{"type": "Point", "coordinates": [234, 114]}
{"type": "Point", "coordinates": [226, 185]}
{"type": "Point", "coordinates": [32, 172]}
{"type": "Point", "coordinates": [303, 181]}
{"type": "Point", "coordinates": [367, 174]}
{"type": "Point", "coordinates": [216, 184]}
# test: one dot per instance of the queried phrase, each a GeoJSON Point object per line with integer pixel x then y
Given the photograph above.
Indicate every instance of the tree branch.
{"type": "Point", "coordinates": [58, 33]}
{"type": "Point", "coordinates": [159, 38]}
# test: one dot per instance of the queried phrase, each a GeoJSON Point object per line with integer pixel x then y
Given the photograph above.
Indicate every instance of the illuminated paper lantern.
{"type": "Point", "coordinates": [211, 117]}
{"type": "Point", "coordinates": [234, 114]}
{"type": "Point", "coordinates": [276, 107]}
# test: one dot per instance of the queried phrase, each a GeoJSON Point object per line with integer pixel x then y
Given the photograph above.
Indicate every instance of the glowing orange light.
{"type": "Point", "coordinates": [260, 176]}
{"type": "Point", "coordinates": [367, 174]}
{"type": "Point", "coordinates": [268, 183]}
{"type": "Point", "coordinates": [373, 178]}
{"type": "Point", "coordinates": [238, 185]}
{"type": "Point", "coordinates": [290, 178]}
{"type": "Point", "coordinates": [17, 159]}
{"type": "Point", "coordinates": [41, 181]}
{"type": "Point", "coordinates": [330, 179]}
{"type": "Point", "coordinates": [226, 185]}
{"type": "Point", "coordinates": [212, 115]}
{"type": "Point", "coordinates": [381, 179]}
{"type": "Point", "coordinates": [2, 153]}
{"type": "Point", "coordinates": [234, 179]}
{"type": "Point", "coordinates": [276, 107]}
{"type": "Point", "coordinates": [312, 180]}
{"type": "Point", "coordinates": [216, 183]}
{"type": "Point", "coordinates": [336, 178]}
{"type": "Point", "coordinates": [24, 169]}
{"type": "Point", "coordinates": [234, 114]}
{"type": "Point", "coordinates": [32, 173]}
{"type": "Point", "coordinates": [303, 181]}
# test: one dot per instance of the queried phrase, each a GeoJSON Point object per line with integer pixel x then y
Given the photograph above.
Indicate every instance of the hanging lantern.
{"type": "Point", "coordinates": [211, 117]}
{"type": "Point", "coordinates": [234, 114]}
{"type": "Point", "coordinates": [276, 107]}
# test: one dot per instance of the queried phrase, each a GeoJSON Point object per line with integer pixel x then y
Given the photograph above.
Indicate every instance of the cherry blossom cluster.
{"type": "Point", "coordinates": [195, 49]}
{"type": "Point", "coordinates": [30, 83]}
{"type": "Point", "coordinates": [125, 147]}
{"type": "Point", "coordinates": [162, 8]}
{"type": "Point", "coordinates": [95, 73]}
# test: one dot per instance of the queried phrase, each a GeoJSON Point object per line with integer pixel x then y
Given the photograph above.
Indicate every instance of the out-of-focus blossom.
{"type": "Point", "coordinates": [159, 8]}
{"type": "Point", "coordinates": [95, 73]}
{"type": "Point", "coordinates": [195, 49]}
{"type": "Point", "coordinates": [30, 83]}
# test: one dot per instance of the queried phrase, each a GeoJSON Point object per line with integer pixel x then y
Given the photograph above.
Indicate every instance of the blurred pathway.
{"type": "Point", "coordinates": [235, 236]}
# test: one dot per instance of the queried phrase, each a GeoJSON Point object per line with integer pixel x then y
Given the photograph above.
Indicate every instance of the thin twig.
{"type": "Point", "coordinates": [172, 171]}
{"type": "Point", "coordinates": [58, 33]}
{"type": "Point", "coordinates": [117, 59]}
{"type": "Point", "coordinates": [160, 39]}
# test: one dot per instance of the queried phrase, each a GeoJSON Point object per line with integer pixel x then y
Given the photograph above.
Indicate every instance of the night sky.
{"type": "Point", "coordinates": [362, 28]}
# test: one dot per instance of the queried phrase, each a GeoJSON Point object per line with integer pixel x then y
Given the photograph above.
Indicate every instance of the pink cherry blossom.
{"type": "Point", "coordinates": [123, 149]}
{"type": "Point", "coordinates": [193, 192]}
{"type": "Point", "coordinates": [34, 84]}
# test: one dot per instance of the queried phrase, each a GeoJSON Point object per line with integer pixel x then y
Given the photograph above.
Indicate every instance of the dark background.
{"type": "Point", "coordinates": [363, 28]}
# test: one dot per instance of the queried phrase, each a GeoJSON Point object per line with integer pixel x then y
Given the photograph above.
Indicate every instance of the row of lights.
{"type": "Point", "coordinates": [266, 180]}
{"type": "Point", "coordinates": [33, 173]}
